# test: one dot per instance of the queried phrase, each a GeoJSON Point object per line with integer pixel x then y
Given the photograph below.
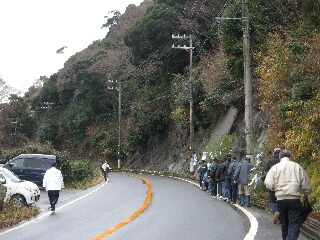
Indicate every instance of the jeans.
{"type": "Point", "coordinates": [290, 212]}
{"type": "Point", "coordinates": [226, 188]}
{"type": "Point", "coordinates": [234, 190]}
{"type": "Point", "coordinates": [273, 201]}
{"type": "Point", "coordinates": [210, 185]}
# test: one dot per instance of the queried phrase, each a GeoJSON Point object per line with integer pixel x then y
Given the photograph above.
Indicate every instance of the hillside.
{"type": "Point", "coordinates": [136, 62]}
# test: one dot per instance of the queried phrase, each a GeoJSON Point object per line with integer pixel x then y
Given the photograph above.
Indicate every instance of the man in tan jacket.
{"type": "Point", "coordinates": [289, 181]}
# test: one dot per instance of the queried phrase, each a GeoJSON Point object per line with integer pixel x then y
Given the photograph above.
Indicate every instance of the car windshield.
{"type": "Point", "coordinates": [7, 173]}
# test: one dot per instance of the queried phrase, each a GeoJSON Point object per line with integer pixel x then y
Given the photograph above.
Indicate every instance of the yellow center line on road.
{"type": "Point", "coordinates": [133, 216]}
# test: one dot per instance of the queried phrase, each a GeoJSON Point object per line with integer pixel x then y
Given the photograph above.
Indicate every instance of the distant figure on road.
{"type": "Point", "coordinates": [105, 168]}
{"type": "Point", "coordinates": [53, 182]}
{"type": "Point", "coordinates": [289, 181]}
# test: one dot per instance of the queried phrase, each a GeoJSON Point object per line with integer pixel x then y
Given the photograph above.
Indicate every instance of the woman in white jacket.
{"type": "Point", "coordinates": [53, 183]}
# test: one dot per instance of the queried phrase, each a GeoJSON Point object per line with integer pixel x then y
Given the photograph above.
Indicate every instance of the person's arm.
{"type": "Point", "coordinates": [305, 183]}
{"type": "Point", "coordinates": [44, 181]}
{"type": "Point", "coordinates": [61, 180]}
{"type": "Point", "coordinates": [269, 181]}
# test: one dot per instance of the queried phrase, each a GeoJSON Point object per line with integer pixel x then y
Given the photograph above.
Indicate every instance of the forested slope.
{"type": "Point", "coordinates": [137, 55]}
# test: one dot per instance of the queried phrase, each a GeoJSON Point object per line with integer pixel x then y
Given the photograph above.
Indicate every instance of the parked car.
{"type": "Point", "coordinates": [19, 192]}
{"type": "Point", "coordinates": [31, 167]}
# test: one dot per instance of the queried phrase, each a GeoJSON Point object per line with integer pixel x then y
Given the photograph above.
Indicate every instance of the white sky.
{"type": "Point", "coordinates": [31, 31]}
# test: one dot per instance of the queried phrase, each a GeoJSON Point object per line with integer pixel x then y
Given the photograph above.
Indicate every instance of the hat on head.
{"type": "Point", "coordinates": [276, 150]}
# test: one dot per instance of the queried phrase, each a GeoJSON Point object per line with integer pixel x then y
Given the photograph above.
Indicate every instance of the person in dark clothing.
{"type": "Point", "coordinates": [227, 178]}
{"type": "Point", "coordinates": [213, 173]}
{"type": "Point", "coordinates": [221, 179]}
{"type": "Point", "coordinates": [234, 184]}
{"type": "Point", "coordinates": [272, 197]}
{"type": "Point", "coordinates": [202, 170]}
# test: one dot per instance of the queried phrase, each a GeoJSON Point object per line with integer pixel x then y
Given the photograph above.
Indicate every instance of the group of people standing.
{"type": "Point", "coordinates": [286, 181]}
{"type": "Point", "coordinates": [226, 179]}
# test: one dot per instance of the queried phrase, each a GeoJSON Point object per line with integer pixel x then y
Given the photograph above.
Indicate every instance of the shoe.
{"type": "Point", "coordinates": [276, 217]}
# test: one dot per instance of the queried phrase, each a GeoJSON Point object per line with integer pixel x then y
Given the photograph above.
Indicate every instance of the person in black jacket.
{"type": "Point", "coordinates": [221, 177]}
{"type": "Point", "coordinates": [213, 175]}
{"type": "Point", "coordinates": [272, 197]}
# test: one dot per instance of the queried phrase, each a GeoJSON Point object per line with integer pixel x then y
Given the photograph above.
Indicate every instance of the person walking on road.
{"type": "Point", "coordinates": [242, 178]}
{"type": "Point", "coordinates": [53, 183]}
{"type": "Point", "coordinates": [289, 181]}
{"type": "Point", "coordinates": [234, 184]}
{"type": "Point", "coordinates": [272, 197]}
{"type": "Point", "coordinates": [105, 168]}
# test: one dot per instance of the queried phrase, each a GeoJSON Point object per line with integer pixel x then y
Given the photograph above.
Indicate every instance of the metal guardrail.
{"type": "Point", "coordinates": [310, 228]}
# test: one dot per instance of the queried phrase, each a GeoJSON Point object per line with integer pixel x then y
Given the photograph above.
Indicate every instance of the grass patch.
{"type": "Point", "coordinates": [86, 183]}
{"type": "Point", "coordinates": [12, 215]}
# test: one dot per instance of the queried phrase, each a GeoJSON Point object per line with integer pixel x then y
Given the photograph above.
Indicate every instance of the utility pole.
{"type": "Point", "coordinates": [188, 48]}
{"type": "Point", "coordinates": [247, 81]}
{"type": "Point", "coordinates": [47, 105]}
{"type": "Point", "coordinates": [119, 88]}
{"type": "Point", "coordinates": [247, 77]}
{"type": "Point", "coordinates": [119, 125]}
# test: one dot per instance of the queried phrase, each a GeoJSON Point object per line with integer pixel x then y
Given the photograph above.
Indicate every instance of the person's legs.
{"type": "Point", "coordinates": [214, 188]}
{"type": "Point", "coordinates": [234, 192]}
{"type": "Point", "coordinates": [247, 192]}
{"type": "Point", "coordinates": [273, 201]}
{"type": "Point", "coordinates": [54, 199]}
{"type": "Point", "coordinates": [241, 194]}
{"type": "Point", "coordinates": [210, 186]}
{"type": "Point", "coordinates": [294, 217]}
{"type": "Point", "coordinates": [283, 209]}
{"type": "Point", "coordinates": [227, 186]}
{"type": "Point", "coordinates": [50, 197]}
{"type": "Point", "coordinates": [224, 189]}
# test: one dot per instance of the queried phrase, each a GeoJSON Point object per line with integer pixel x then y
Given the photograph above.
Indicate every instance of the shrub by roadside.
{"type": "Point", "coordinates": [12, 215]}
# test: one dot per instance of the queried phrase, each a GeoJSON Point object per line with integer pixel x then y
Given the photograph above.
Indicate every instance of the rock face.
{"type": "Point", "coordinates": [3, 191]}
{"type": "Point", "coordinates": [170, 151]}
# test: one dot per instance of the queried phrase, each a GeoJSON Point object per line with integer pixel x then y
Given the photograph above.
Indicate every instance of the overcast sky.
{"type": "Point", "coordinates": [33, 30]}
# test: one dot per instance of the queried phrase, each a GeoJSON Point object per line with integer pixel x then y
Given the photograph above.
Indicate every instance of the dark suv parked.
{"type": "Point", "coordinates": [31, 167]}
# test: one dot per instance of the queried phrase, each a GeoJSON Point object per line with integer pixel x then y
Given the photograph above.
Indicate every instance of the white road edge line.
{"type": "Point", "coordinates": [49, 213]}
{"type": "Point", "coordinates": [253, 221]}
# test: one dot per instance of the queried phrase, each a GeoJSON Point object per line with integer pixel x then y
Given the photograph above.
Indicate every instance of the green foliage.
{"type": "Point", "coordinates": [311, 13]}
{"type": "Point", "coordinates": [303, 91]}
{"type": "Point", "coordinates": [151, 37]}
{"type": "Point", "coordinates": [80, 170]}
{"type": "Point", "coordinates": [172, 2]}
{"type": "Point", "coordinates": [221, 147]}
{"type": "Point", "coordinates": [112, 20]}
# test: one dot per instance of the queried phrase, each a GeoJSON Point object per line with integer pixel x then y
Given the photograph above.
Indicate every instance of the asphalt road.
{"type": "Point", "coordinates": [177, 210]}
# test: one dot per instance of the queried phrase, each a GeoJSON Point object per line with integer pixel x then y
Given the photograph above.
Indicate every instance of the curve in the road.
{"type": "Point", "coordinates": [134, 215]}
{"type": "Point", "coordinates": [253, 221]}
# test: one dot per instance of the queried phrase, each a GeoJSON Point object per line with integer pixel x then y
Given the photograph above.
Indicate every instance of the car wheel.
{"type": "Point", "coordinates": [17, 200]}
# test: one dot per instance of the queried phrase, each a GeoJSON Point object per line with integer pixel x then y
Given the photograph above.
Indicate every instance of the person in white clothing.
{"type": "Point", "coordinates": [105, 168]}
{"type": "Point", "coordinates": [53, 183]}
